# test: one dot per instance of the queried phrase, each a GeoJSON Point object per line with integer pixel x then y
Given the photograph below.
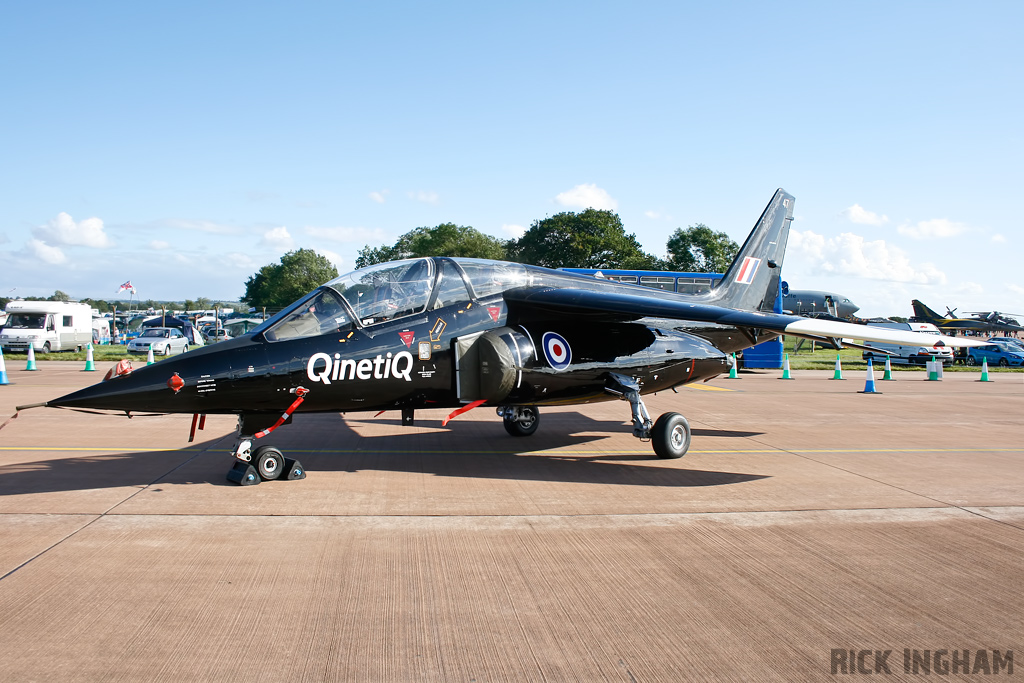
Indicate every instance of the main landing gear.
{"type": "Point", "coordinates": [520, 420]}
{"type": "Point", "coordinates": [670, 435]}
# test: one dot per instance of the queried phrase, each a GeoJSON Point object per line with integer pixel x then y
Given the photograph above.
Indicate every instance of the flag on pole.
{"type": "Point", "coordinates": [127, 285]}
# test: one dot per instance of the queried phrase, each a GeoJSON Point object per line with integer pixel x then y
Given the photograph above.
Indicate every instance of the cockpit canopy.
{"type": "Point", "coordinates": [387, 291]}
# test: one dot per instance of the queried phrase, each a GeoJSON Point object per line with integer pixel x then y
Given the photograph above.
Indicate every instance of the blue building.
{"type": "Point", "coordinates": [765, 355]}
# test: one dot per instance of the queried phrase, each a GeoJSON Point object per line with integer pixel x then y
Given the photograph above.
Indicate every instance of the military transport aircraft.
{"type": "Point", "coordinates": [812, 303]}
{"type": "Point", "coordinates": [987, 321]}
{"type": "Point", "coordinates": [460, 333]}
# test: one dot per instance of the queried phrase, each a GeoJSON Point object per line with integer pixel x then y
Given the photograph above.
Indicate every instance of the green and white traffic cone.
{"type": "Point", "coordinates": [785, 368]}
{"type": "Point", "coordinates": [839, 369]}
{"type": "Point", "coordinates": [887, 375]}
{"type": "Point", "coordinates": [732, 367]}
{"type": "Point", "coordinates": [90, 366]}
{"type": "Point", "coordinates": [869, 382]}
{"type": "Point", "coordinates": [149, 356]}
{"type": "Point", "coordinates": [31, 364]}
{"type": "Point", "coordinates": [3, 368]}
{"type": "Point", "coordinates": [933, 373]}
{"type": "Point", "coordinates": [984, 370]}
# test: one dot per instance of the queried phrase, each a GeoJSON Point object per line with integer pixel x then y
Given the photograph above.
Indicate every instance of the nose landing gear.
{"type": "Point", "coordinates": [266, 463]}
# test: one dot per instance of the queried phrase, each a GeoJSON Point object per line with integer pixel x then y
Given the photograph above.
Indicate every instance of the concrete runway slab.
{"type": "Point", "coordinates": [806, 518]}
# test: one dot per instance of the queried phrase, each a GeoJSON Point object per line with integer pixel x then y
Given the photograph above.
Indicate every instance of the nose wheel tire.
{"type": "Point", "coordinates": [269, 462]}
{"type": "Point", "coordinates": [671, 436]}
{"type": "Point", "coordinates": [524, 423]}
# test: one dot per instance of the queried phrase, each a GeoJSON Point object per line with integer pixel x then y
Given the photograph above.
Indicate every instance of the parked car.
{"type": "Point", "coordinates": [1006, 341]}
{"type": "Point", "coordinates": [164, 340]}
{"type": "Point", "coordinates": [217, 335]}
{"type": "Point", "coordinates": [905, 353]}
{"type": "Point", "coordinates": [1004, 355]}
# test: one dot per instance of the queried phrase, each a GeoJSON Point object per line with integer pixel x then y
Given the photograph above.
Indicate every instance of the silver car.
{"type": "Point", "coordinates": [164, 340]}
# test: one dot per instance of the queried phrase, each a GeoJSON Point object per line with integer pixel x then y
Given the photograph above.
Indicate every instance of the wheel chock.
{"type": "Point", "coordinates": [293, 470]}
{"type": "Point", "coordinates": [243, 474]}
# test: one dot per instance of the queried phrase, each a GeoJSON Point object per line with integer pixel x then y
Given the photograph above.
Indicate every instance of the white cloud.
{"type": "Point", "coordinates": [159, 245]}
{"type": "Point", "coordinates": [998, 239]}
{"type": "Point", "coordinates": [858, 214]}
{"type": "Point", "coordinates": [45, 253]}
{"type": "Point", "coordinates": [850, 254]}
{"type": "Point", "coordinates": [424, 196]}
{"type": "Point", "coordinates": [333, 257]}
{"type": "Point", "coordinates": [63, 230]}
{"type": "Point", "coordinates": [202, 226]}
{"type": "Point", "coordinates": [342, 234]}
{"type": "Point", "coordinates": [277, 238]}
{"type": "Point", "coordinates": [238, 260]}
{"type": "Point", "coordinates": [513, 231]}
{"type": "Point", "coordinates": [969, 288]}
{"type": "Point", "coordinates": [4, 239]}
{"type": "Point", "coordinates": [657, 216]}
{"type": "Point", "coordinates": [380, 197]}
{"type": "Point", "coordinates": [587, 196]}
{"type": "Point", "coordinates": [938, 228]}
{"type": "Point", "coordinates": [1015, 288]}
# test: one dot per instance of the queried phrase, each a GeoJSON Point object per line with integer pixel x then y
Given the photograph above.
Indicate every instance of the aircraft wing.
{"type": "Point", "coordinates": [532, 302]}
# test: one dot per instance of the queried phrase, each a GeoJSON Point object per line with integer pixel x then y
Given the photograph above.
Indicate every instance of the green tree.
{"type": "Point", "coordinates": [59, 296]}
{"type": "Point", "coordinates": [446, 239]}
{"type": "Point", "coordinates": [592, 238]}
{"type": "Point", "coordinates": [278, 284]}
{"type": "Point", "coordinates": [699, 249]}
{"type": "Point", "coordinates": [99, 304]}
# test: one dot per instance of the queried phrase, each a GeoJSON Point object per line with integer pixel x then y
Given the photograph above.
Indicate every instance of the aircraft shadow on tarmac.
{"type": "Point", "coordinates": [330, 444]}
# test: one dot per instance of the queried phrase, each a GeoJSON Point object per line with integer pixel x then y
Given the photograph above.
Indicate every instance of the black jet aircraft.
{"type": "Point", "coordinates": [460, 333]}
{"type": "Point", "coordinates": [987, 321]}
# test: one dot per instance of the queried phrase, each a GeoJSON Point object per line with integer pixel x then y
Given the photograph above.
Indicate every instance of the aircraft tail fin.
{"type": "Point", "coordinates": [753, 280]}
{"type": "Point", "coordinates": [923, 313]}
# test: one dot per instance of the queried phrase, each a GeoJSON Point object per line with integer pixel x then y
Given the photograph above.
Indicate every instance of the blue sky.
{"type": "Point", "coordinates": [182, 146]}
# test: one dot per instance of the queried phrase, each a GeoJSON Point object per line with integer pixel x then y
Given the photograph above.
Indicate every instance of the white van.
{"type": "Point", "coordinates": [907, 354]}
{"type": "Point", "coordinates": [46, 326]}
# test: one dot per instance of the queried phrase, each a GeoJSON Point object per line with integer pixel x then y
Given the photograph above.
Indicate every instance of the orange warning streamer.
{"type": "Point", "coordinates": [460, 411]}
{"type": "Point", "coordinates": [301, 392]}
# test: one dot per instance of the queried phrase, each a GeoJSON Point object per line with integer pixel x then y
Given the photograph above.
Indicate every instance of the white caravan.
{"type": "Point", "coordinates": [46, 326]}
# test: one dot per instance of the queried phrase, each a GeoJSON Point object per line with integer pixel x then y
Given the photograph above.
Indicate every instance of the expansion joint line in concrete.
{"type": "Point", "coordinates": [96, 518]}
{"type": "Point", "coordinates": [803, 454]}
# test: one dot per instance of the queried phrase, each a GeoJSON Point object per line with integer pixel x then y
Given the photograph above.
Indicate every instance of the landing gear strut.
{"type": "Point", "coordinates": [670, 435]}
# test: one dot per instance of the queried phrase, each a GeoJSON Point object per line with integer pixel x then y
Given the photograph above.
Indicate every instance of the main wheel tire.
{"type": "Point", "coordinates": [1003, 363]}
{"type": "Point", "coordinates": [529, 420]}
{"type": "Point", "coordinates": [269, 462]}
{"type": "Point", "coordinates": [971, 361]}
{"type": "Point", "coordinates": [671, 436]}
{"type": "Point", "coordinates": [45, 349]}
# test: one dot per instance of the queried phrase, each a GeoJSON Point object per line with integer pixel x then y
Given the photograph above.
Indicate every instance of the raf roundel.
{"type": "Point", "coordinates": [556, 350]}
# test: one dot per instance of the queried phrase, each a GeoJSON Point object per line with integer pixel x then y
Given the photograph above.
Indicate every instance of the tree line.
{"type": "Point", "coordinates": [592, 238]}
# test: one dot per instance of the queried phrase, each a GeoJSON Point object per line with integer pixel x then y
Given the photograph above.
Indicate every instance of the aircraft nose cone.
{"type": "Point", "coordinates": [149, 389]}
